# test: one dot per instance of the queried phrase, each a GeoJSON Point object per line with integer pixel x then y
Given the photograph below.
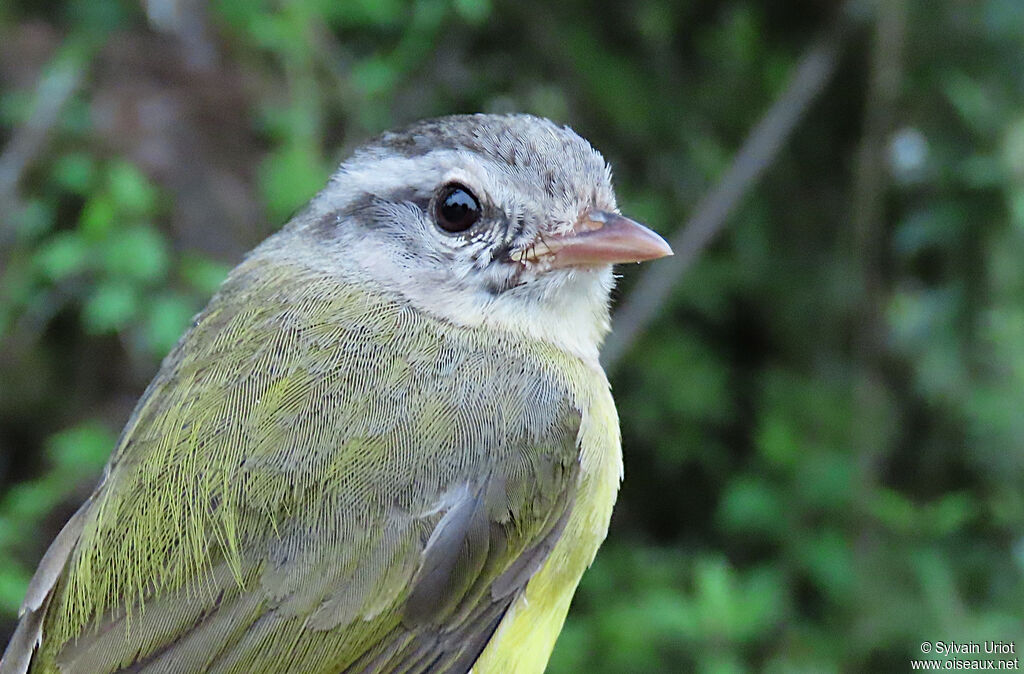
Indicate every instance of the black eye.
{"type": "Point", "coordinates": [457, 209]}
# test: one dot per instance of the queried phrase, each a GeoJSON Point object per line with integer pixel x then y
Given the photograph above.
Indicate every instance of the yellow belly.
{"type": "Point", "coordinates": [526, 636]}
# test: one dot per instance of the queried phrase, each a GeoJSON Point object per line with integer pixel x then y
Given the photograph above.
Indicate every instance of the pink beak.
{"type": "Point", "coordinates": [601, 238]}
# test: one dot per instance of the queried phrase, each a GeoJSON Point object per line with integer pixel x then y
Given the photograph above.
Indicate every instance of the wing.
{"type": "Point", "coordinates": [317, 480]}
{"type": "Point", "coordinates": [28, 633]}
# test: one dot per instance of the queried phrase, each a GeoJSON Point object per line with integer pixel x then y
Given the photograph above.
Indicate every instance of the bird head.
{"type": "Point", "coordinates": [507, 221]}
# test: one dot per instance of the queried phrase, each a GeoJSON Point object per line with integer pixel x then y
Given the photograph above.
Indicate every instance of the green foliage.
{"type": "Point", "coordinates": [112, 263]}
{"type": "Point", "coordinates": [804, 492]}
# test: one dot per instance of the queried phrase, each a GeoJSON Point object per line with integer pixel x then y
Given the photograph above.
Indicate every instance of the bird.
{"type": "Point", "coordinates": [386, 444]}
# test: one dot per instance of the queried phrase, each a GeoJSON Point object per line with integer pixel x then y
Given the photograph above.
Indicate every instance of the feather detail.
{"type": "Point", "coordinates": [320, 479]}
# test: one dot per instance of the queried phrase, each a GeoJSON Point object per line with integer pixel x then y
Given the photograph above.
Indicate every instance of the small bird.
{"type": "Point", "coordinates": [386, 445]}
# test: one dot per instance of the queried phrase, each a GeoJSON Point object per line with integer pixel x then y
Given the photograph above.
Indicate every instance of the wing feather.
{"type": "Point", "coordinates": [318, 480]}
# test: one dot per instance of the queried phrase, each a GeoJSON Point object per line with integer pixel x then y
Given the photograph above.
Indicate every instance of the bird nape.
{"type": "Point", "coordinates": [386, 445]}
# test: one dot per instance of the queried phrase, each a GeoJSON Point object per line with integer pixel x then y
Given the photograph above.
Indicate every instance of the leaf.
{"type": "Point", "coordinates": [777, 440]}
{"type": "Point", "coordinates": [829, 560]}
{"type": "Point", "coordinates": [14, 581]}
{"type": "Point", "coordinates": [139, 253]}
{"type": "Point", "coordinates": [893, 510]}
{"type": "Point", "coordinates": [29, 500]}
{"type": "Point", "coordinates": [289, 177]}
{"type": "Point", "coordinates": [203, 274]}
{"type": "Point", "coordinates": [63, 255]}
{"type": "Point", "coordinates": [374, 76]}
{"type": "Point", "coordinates": [131, 191]}
{"type": "Point", "coordinates": [81, 449]}
{"type": "Point", "coordinates": [98, 216]}
{"type": "Point", "coordinates": [166, 320]}
{"type": "Point", "coordinates": [751, 505]}
{"type": "Point", "coordinates": [112, 305]}
{"type": "Point", "coordinates": [35, 219]}
{"type": "Point", "coordinates": [473, 11]}
{"type": "Point", "coordinates": [75, 172]}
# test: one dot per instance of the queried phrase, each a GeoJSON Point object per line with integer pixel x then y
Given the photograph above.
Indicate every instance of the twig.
{"type": "Point", "coordinates": [52, 93]}
{"type": "Point", "coordinates": [872, 428]}
{"type": "Point", "coordinates": [812, 73]}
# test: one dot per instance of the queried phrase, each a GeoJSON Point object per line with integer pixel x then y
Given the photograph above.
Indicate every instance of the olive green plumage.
{"type": "Point", "coordinates": [386, 444]}
{"type": "Point", "coordinates": [302, 493]}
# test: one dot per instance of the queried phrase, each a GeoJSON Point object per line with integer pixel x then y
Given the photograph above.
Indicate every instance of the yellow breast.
{"type": "Point", "coordinates": [526, 636]}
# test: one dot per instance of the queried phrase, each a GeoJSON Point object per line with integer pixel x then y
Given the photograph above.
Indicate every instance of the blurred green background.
{"type": "Point", "coordinates": [823, 427]}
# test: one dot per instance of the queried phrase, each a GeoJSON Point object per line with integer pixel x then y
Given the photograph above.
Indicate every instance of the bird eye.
{"type": "Point", "coordinates": [457, 209]}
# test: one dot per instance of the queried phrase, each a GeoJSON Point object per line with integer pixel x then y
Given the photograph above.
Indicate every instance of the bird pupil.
{"type": "Point", "coordinates": [459, 210]}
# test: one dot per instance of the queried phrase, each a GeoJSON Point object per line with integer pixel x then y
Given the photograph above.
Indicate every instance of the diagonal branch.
{"type": "Point", "coordinates": [873, 428]}
{"type": "Point", "coordinates": [812, 73]}
{"type": "Point", "coordinates": [56, 87]}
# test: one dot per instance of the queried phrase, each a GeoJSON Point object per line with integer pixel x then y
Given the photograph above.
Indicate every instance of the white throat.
{"type": "Point", "coordinates": [566, 308]}
{"type": "Point", "coordinates": [574, 319]}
